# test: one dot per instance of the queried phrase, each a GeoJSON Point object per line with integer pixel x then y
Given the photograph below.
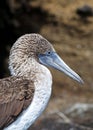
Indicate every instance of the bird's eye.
{"type": "Point", "coordinates": [48, 52]}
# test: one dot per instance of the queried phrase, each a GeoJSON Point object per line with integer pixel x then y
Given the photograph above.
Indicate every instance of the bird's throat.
{"type": "Point", "coordinates": [40, 100]}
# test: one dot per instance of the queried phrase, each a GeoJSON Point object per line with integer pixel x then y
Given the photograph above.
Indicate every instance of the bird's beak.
{"type": "Point", "coordinates": [53, 60]}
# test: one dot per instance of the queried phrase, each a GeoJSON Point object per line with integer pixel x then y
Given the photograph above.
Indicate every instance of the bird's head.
{"type": "Point", "coordinates": [34, 45]}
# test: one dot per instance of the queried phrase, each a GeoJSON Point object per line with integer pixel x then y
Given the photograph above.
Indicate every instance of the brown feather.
{"type": "Point", "coordinates": [16, 93]}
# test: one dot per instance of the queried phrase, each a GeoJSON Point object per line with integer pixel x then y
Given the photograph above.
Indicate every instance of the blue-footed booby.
{"type": "Point", "coordinates": [25, 94]}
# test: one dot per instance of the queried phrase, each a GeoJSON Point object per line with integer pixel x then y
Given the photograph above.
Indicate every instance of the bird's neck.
{"type": "Point", "coordinates": [41, 97]}
{"type": "Point", "coordinates": [26, 67]}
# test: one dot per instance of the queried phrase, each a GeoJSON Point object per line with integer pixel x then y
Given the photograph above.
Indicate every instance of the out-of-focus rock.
{"type": "Point", "coordinates": [85, 12]}
{"type": "Point", "coordinates": [53, 124]}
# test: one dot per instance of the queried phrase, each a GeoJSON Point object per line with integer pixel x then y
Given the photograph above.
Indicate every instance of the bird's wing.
{"type": "Point", "coordinates": [16, 93]}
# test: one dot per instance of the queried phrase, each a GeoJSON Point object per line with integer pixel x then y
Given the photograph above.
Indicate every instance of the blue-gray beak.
{"type": "Point", "coordinates": [53, 60]}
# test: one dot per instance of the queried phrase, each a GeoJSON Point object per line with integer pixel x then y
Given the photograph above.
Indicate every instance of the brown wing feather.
{"type": "Point", "coordinates": [16, 94]}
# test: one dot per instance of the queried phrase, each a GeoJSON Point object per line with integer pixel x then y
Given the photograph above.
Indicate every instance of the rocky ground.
{"type": "Point", "coordinates": [72, 38]}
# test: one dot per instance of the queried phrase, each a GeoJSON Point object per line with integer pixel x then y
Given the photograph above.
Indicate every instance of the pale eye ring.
{"type": "Point", "coordinates": [48, 53]}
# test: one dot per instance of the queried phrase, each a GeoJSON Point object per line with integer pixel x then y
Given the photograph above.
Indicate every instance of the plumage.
{"type": "Point", "coordinates": [25, 94]}
{"type": "Point", "coordinates": [16, 93]}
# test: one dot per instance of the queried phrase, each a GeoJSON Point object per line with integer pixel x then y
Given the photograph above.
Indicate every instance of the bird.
{"type": "Point", "coordinates": [25, 94]}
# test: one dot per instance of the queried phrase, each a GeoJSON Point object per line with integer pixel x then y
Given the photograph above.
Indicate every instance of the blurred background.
{"type": "Point", "coordinates": [68, 25]}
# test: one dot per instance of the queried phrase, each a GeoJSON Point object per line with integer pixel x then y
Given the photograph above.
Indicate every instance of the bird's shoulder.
{"type": "Point", "coordinates": [16, 93]}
